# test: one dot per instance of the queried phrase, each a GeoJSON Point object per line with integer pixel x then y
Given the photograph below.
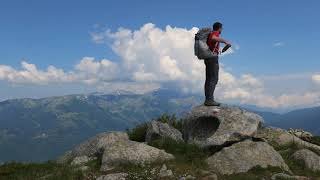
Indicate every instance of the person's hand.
{"type": "Point", "coordinates": [228, 43]}
{"type": "Point", "coordinates": [226, 47]}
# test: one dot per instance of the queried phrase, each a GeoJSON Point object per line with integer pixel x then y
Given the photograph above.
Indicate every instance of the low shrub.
{"type": "Point", "coordinates": [138, 133]}
{"type": "Point", "coordinates": [172, 120]}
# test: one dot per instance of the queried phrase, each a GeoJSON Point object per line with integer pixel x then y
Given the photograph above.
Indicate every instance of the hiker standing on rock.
{"type": "Point", "coordinates": [207, 48]}
{"type": "Point", "coordinates": [212, 63]}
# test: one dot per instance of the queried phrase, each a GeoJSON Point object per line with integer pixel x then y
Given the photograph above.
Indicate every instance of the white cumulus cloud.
{"type": "Point", "coordinates": [316, 78]}
{"type": "Point", "coordinates": [151, 57]}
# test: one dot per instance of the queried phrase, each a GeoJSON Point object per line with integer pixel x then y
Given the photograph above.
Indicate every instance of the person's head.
{"type": "Point", "coordinates": [217, 26]}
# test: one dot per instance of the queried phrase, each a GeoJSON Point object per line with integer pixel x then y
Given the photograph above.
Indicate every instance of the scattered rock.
{"type": "Point", "coordinates": [115, 176]}
{"type": "Point", "coordinates": [243, 156]}
{"type": "Point", "coordinates": [310, 159]}
{"type": "Point", "coordinates": [123, 152]}
{"type": "Point", "coordinates": [164, 172]}
{"type": "Point", "coordinates": [158, 130]}
{"type": "Point", "coordinates": [83, 168]}
{"type": "Point", "coordinates": [80, 160]}
{"type": "Point", "coordinates": [188, 177]}
{"type": "Point", "coordinates": [215, 126]}
{"type": "Point", "coordinates": [288, 177]}
{"type": "Point", "coordinates": [275, 135]}
{"type": "Point", "coordinates": [153, 171]}
{"type": "Point", "coordinates": [94, 145]}
{"type": "Point", "coordinates": [281, 137]}
{"type": "Point", "coordinates": [300, 133]}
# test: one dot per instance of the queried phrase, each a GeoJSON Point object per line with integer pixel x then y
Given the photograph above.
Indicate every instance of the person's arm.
{"type": "Point", "coordinates": [215, 38]}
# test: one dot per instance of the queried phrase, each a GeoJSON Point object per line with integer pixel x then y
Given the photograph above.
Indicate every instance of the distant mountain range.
{"type": "Point", "coordinates": [42, 129]}
{"type": "Point", "coordinates": [307, 119]}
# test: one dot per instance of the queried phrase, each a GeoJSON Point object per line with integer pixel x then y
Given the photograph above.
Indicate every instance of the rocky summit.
{"type": "Point", "coordinates": [207, 143]}
{"type": "Point", "coordinates": [217, 126]}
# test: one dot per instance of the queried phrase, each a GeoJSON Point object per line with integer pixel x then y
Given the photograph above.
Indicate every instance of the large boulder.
{"type": "Point", "coordinates": [243, 156]}
{"type": "Point", "coordinates": [310, 159]}
{"type": "Point", "coordinates": [131, 152]}
{"type": "Point", "coordinates": [158, 130]}
{"type": "Point", "coordinates": [94, 146]}
{"type": "Point", "coordinates": [216, 126]}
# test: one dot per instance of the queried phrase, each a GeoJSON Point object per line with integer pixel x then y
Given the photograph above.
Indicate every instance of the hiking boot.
{"type": "Point", "coordinates": [211, 103]}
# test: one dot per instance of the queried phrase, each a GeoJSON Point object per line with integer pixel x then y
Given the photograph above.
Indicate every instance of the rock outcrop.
{"type": "Point", "coordinates": [158, 130]}
{"type": "Point", "coordinates": [115, 149]}
{"type": "Point", "coordinates": [234, 138]}
{"type": "Point", "coordinates": [243, 156]}
{"type": "Point", "coordinates": [131, 152]}
{"type": "Point", "coordinates": [310, 159]}
{"type": "Point", "coordinates": [216, 126]}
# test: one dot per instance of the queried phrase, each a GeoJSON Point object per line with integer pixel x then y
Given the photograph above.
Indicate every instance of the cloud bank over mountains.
{"type": "Point", "coordinates": [150, 58]}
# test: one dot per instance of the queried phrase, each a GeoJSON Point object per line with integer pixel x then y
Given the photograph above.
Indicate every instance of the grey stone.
{"type": "Point", "coordinates": [123, 152]}
{"type": "Point", "coordinates": [158, 130]}
{"type": "Point", "coordinates": [300, 133]}
{"type": "Point", "coordinates": [83, 168]}
{"type": "Point", "coordinates": [215, 126]}
{"type": "Point", "coordinates": [164, 172]}
{"type": "Point", "coordinates": [187, 177]}
{"type": "Point", "coordinates": [93, 146]}
{"type": "Point", "coordinates": [80, 160]}
{"type": "Point", "coordinates": [114, 176]}
{"type": "Point", "coordinates": [243, 156]}
{"type": "Point", "coordinates": [309, 158]}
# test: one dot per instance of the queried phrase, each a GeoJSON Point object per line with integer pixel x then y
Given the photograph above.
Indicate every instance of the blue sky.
{"type": "Point", "coordinates": [276, 39]}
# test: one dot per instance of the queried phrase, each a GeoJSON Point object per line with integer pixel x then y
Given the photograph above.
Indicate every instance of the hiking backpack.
{"type": "Point", "coordinates": [201, 48]}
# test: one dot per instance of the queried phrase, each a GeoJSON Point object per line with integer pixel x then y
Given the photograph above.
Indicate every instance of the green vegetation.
{"type": "Point", "coordinates": [48, 170]}
{"type": "Point", "coordinates": [171, 120]}
{"type": "Point", "coordinates": [137, 172]}
{"type": "Point", "coordinates": [256, 173]}
{"type": "Point", "coordinates": [184, 153]}
{"type": "Point", "coordinates": [315, 140]}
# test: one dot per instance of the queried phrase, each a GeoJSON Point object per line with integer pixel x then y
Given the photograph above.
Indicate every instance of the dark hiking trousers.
{"type": "Point", "coordinates": [212, 76]}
